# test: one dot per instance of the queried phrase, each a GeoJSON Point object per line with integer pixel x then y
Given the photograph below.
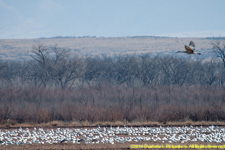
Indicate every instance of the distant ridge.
{"type": "Point", "coordinates": [69, 37]}
{"type": "Point", "coordinates": [215, 38]}
{"type": "Point", "coordinates": [150, 37]}
{"type": "Point", "coordinates": [66, 37]}
{"type": "Point", "coordinates": [156, 37]}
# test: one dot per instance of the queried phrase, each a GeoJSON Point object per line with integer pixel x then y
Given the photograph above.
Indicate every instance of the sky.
{"type": "Point", "coordinates": [25, 19]}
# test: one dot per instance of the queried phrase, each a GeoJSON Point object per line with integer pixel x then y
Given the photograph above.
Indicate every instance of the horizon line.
{"type": "Point", "coordinates": [134, 36]}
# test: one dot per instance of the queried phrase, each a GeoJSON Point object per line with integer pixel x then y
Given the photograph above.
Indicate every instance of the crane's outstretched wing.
{"type": "Point", "coordinates": [188, 49]}
{"type": "Point", "coordinates": [192, 45]}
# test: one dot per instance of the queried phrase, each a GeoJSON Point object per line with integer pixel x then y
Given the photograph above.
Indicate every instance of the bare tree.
{"type": "Point", "coordinates": [2, 67]}
{"type": "Point", "coordinates": [126, 69]}
{"type": "Point", "coordinates": [173, 70]}
{"type": "Point", "coordinates": [56, 66]}
{"type": "Point", "coordinates": [219, 49]}
{"type": "Point", "coordinates": [10, 72]}
{"type": "Point", "coordinates": [40, 54]}
{"type": "Point", "coordinates": [148, 69]}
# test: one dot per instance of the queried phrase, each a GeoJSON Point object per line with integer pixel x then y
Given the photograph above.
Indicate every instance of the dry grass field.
{"type": "Point", "coordinates": [20, 48]}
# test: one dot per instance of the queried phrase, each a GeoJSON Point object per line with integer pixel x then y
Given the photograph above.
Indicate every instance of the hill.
{"type": "Point", "coordinates": [92, 46]}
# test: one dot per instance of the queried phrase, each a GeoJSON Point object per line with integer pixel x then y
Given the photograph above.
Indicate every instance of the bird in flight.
{"type": "Point", "coordinates": [189, 49]}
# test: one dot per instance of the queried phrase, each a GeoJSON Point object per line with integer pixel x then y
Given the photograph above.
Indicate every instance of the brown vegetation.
{"type": "Point", "coordinates": [113, 103]}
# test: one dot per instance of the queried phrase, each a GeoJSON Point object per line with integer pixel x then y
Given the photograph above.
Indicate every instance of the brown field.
{"type": "Point", "coordinates": [7, 124]}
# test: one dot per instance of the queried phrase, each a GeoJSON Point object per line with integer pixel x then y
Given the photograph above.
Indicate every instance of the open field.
{"type": "Point", "coordinates": [113, 137]}
{"type": "Point", "coordinates": [20, 48]}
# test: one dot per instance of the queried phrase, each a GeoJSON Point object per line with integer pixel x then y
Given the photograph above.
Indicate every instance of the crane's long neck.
{"type": "Point", "coordinates": [197, 53]}
{"type": "Point", "coordinates": [181, 51]}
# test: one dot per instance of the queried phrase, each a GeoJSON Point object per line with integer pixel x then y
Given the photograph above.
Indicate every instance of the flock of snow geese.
{"type": "Point", "coordinates": [112, 135]}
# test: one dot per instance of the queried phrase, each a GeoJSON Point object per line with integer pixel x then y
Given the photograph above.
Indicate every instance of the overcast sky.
{"type": "Point", "coordinates": [111, 18]}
